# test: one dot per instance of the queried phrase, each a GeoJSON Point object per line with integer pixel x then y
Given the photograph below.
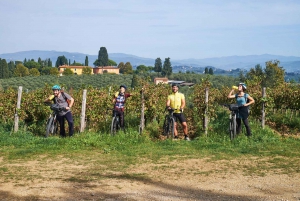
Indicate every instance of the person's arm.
{"type": "Point", "coordinates": [168, 103]}
{"type": "Point", "coordinates": [252, 101]}
{"type": "Point", "coordinates": [70, 104]}
{"type": "Point", "coordinates": [50, 98]}
{"type": "Point", "coordinates": [182, 104]}
{"type": "Point", "coordinates": [231, 95]}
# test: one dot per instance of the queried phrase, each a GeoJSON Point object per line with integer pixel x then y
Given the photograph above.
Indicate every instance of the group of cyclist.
{"type": "Point", "coordinates": [175, 101]}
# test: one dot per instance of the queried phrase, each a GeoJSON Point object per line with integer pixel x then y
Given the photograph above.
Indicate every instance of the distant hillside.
{"type": "Point", "coordinates": [289, 63]}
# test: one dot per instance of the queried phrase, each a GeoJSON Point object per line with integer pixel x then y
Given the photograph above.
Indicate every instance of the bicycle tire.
{"type": "Point", "coordinates": [113, 127]}
{"type": "Point", "coordinates": [232, 128]}
{"type": "Point", "coordinates": [49, 126]}
{"type": "Point", "coordinates": [171, 127]}
{"type": "Point", "coordinates": [166, 126]}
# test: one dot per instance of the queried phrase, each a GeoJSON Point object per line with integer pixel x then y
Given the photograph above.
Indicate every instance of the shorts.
{"type": "Point", "coordinates": [179, 116]}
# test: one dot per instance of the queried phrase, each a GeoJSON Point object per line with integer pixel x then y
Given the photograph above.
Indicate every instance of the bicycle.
{"type": "Point", "coordinates": [169, 124]}
{"type": "Point", "coordinates": [52, 123]}
{"type": "Point", "coordinates": [115, 123]}
{"type": "Point", "coordinates": [232, 119]}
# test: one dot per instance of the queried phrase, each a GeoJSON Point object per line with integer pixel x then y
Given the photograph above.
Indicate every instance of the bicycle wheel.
{"type": "Point", "coordinates": [114, 126]}
{"type": "Point", "coordinates": [232, 128]}
{"type": "Point", "coordinates": [171, 128]}
{"type": "Point", "coordinates": [49, 126]}
{"type": "Point", "coordinates": [166, 126]}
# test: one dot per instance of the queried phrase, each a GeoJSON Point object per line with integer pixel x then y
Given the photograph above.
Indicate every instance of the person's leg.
{"type": "Point", "coordinates": [182, 120]}
{"type": "Point", "coordinates": [239, 125]}
{"type": "Point", "coordinates": [61, 121]}
{"type": "Point", "coordinates": [121, 115]}
{"type": "Point", "coordinates": [246, 123]}
{"type": "Point", "coordinates": [69, 118]}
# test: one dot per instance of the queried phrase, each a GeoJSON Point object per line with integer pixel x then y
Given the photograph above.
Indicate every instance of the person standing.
{"type": "Point", "coordinates": [176, 101]}
{"type": "Point", "coordinates": [63, 100]}
{"type": "Point", "coordinates": [119, 101]}
{"type": "Point", "coordinates": [243, 101]}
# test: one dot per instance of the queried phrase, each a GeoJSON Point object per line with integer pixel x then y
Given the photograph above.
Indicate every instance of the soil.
{"type": "Point", "coordinates": [186, 179]}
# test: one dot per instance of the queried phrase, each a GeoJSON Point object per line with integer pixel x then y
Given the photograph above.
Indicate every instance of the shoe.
{"type": "Point", "coordinates": [176, 137]}
{"type": "Point", "coordinates": [187, 138]}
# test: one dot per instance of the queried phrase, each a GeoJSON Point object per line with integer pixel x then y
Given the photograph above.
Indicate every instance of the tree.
{"type": "Point", "coordinates": [102, 57]}
{"type": "Point", "coordinates": [54, 71]}
{"type": "Point", "coordinates": [21, 71]}
{"type": "Point", "coordinates": [167, 67]}
{"type": "Point", "coordinates": [111, 62]}
{"type": "Point", "coordinates": [121, 66]}
{"type": "Point", "coordinates": [11, 68]}
{"type": "Point", "coordinates": [68, 72]}
{"type": "Point", "coordinates": [141, 69]}
{"type": "Point", "coordinates": [134, 82]}
{"type": "Point", "coordinates": [206, 70]}
{"type": "Point", "coordinates": [4, 71]}
{"type": "Point", "coordinates": [86, 61]}
{"type": "Point", "coordinates": [210, 71]}
{"type": "Point", "coordinates": [274, 74]}
{"type": "Point", "coordinates": [157, 66]}
{"type": "Point", "coordinates": [34, 72]}
{"type": "Point", "coordinates": [49, 63]}
{"type": "Point", "coordinates": [87, 71]}
{"type": "Point", "coordinates": [128, 68]}
{"type": "Point", "coordinates": [61, 60]}
{"type": "Point", "coordinates": [32, 64]}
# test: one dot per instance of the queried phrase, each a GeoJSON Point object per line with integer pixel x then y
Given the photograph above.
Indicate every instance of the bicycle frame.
{"type": "Point", "coordinates": [169, 124]}
{"type": "Point", "coordinates": [115, 123]}
{"type": "Point", "coordinates": [232, 120]}
{"type": "Point", "coordinates": [52, 124]}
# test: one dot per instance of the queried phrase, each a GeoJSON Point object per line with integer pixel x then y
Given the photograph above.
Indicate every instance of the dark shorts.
{"type": "Point", "coordinates": [179, 116]}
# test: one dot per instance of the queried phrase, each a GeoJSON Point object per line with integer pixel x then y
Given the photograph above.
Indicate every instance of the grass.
{"type": "Point", "coordinates": [104, 155]}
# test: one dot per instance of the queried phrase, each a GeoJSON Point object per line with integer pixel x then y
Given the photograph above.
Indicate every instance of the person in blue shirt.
{"type": "Point", "coordinates": [243, 100]}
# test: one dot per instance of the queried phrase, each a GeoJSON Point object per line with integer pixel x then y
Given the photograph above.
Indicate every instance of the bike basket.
{"type": "Point", "coordinates": [233, 107]}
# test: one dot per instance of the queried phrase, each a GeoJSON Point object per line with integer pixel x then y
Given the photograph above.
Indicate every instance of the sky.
{"type": "Point", "coordinates": [179, 29]}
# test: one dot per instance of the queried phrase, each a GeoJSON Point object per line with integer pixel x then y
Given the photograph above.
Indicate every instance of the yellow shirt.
{"type": "Point", "coordinates": [175, 101]}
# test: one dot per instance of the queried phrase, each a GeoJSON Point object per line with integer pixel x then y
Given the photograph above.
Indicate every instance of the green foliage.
{"type": "Point", "coordinates": [61, 60]}
{"type": "Point", "coordinates": [68, 72]}
{"type": "Point", "coordinates": [21, 71]}
{"type": "Point", "coordinates": [111, 62]}
{"type": "Point", "coordinates": [102, 57]}
{"type": "Point", "coordinates": [167, 67]}
{"type": "Point", "coordinates": [127, 68]}
{"type": "Point", "coordinates": [34, 72]}
{"type": "Point", "coordinates": [158, 66]}
{"type": "Point", "coordinates": [86, 61]}
{"type": "Point", "coordinates": [87, 71]}
{"type": "Point", "coordinates": [4, 71]}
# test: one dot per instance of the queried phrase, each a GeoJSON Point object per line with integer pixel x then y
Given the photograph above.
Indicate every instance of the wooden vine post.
{"type": "Point", "coordinates": [16, 126]}
{"type": "Point", "coordinates": [82, 116]}
{"type": "Point", "coordinates": [142, 124]}
{"type": "Point", "coordinates": [206, 112]}
{"type": "Point", "coordinates": [263, 115]}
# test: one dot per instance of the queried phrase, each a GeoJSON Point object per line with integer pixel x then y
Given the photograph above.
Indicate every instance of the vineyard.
{"type": "Point", "coordinates": [282, 104]}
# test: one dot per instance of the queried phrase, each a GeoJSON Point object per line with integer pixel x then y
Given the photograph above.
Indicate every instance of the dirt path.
{"type": "Point", "coordinates": [192, 179]}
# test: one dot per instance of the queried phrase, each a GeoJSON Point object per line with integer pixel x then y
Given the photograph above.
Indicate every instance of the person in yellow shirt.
{"type": "Point", "coordinates": [176, 101]}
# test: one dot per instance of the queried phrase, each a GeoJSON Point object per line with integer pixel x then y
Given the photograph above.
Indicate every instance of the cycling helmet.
{"type": "Point", "coordinates": [243, 85]}
{"type": "Point", "coordinates": [174, 84]}
{"type": "Point", "coordinates": [123, 86]}
{"type": "Point", "coordinates": [56, 87]}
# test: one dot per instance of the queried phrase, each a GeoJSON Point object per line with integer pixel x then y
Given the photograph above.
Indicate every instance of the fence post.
{"type": "Point", "coordinates": [206, 111]}
{"type": "Point", "coordinates": [82, 116]}
{"type": "Point", "coordinates": [142, 125]}
{"type": "Point", "coordinates": [16, 127]}
{"type": "Point", "coordinates": [263, 115]}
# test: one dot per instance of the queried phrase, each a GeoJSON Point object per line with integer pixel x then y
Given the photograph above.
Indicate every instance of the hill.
{"type": "Point", "coordinates": [289, 63]}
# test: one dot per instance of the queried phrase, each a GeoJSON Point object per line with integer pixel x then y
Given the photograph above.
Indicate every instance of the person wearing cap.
{"type": "Point", "coordinates": [119, 101]}
{"type": "Point", "coordinates": [243, 100]}
{"type": "Point", "coordinates": [176, 101]}
{"type": "Point", "coordinates": [63, 100]}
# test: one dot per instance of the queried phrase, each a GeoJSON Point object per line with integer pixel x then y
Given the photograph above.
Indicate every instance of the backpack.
{"type": "Point", "coordinates": [246, 100]}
